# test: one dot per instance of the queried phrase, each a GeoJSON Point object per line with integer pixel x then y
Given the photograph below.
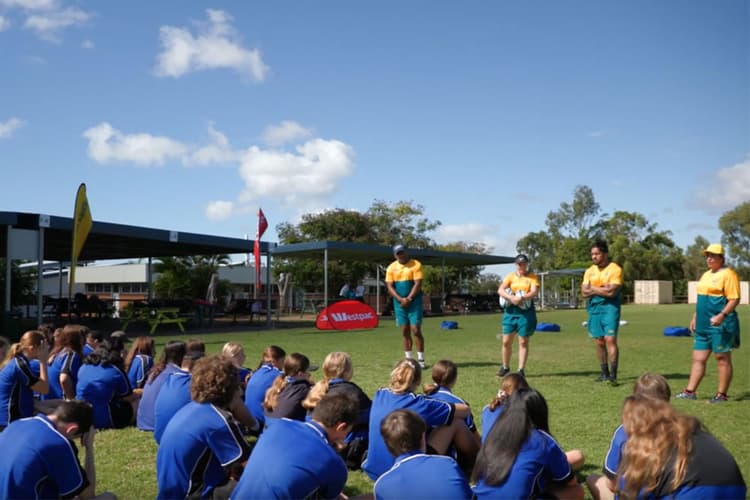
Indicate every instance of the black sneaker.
{"type": "Point", "coordinates": [602, 378]}
{"type": "Point", "coordinates": [521, 372]}
{"type": "Point", "coordinates": [613, 382]}
{"type": "Point", "coordinates": [503, 371]}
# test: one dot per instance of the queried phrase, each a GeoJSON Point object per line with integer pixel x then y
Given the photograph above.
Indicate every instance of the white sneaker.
{"type": "Point", "coordinates": [422, 364]}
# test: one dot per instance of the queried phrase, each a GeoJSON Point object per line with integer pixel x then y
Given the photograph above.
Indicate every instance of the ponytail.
{"type": "Point", "coordinates": [272, 394]}
{"type": "Point", "coordinates": [316, 393]}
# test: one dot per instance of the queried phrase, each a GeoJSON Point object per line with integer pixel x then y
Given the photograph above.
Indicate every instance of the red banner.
{"type": "Point", "coordinates": [347, 315]}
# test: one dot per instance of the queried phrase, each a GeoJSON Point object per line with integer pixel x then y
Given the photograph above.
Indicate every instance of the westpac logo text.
{"type": "Point", "coordinates": [342, 316]}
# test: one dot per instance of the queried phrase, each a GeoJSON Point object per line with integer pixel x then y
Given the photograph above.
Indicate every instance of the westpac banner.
{"type": "Point", "coordinates": [347, 315]}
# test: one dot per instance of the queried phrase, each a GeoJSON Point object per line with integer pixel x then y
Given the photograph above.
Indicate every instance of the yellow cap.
{"type": "Point", "coordinates": [714, 248]}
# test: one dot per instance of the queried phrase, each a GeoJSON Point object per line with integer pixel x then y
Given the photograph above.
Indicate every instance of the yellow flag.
{"type": "Point", "coordinates": [81, 227]}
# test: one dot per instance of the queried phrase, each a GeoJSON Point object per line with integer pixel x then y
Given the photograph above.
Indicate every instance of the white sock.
{"type": "Point", "coordinates": [420, 356]}
{"type": "Point", "coordinates": [407, 354]}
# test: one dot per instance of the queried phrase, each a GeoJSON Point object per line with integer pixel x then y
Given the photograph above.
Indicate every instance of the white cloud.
{"type": "Point", "coordinates": [48, 24]}
{"type": "Point", "coordinates": [87, 44]}
{"type": "Point", "coordinates": [218, 151]}
{"type": "Point", "coordinates": [30, 4]}
{"type": "Point", "coordinates": [596, 134]}
{"type": "Point", "coordinates": [4, 23]}
{"type": "Point", "coordinates": [8, 127]}
{"type": "Point", "coordinates": [285, 132]}
{"type": "Point", "coordinates": [219, 210]}
{"type": "Point", "coordinates": [301, 178]}
{"type": "Point", "coordinates": [215, 46]}
{"type": "Point", "coordinates": [729, 187]}
{"type": "Point", "coordinates": [106, 144]}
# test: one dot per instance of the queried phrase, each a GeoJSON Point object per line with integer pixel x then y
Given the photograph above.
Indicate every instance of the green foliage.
{"type": "Point", "coordinates": [735, 226]}
{"type": "Point", "coordinates": [562, 366]}
{"type": "Point", "coordinates": [188, 277]}
{"type": "Point", "coordinates": [22, 284]}
{"type": "Point", "coordinates": [382, 224]}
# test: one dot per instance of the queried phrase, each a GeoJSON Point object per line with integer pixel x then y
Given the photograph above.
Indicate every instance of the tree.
{"type": "Point", "coordinates": [188, 277]}
{"type": "Point", "coordinates": [575, 219]}
{"type": "Point", "coordinates": [695, 262]}
{"type": "Point", "coordinates": [454, 278]}
{"type": "Point", "coordinates": [735, 226]}
{"type": "Point", "coordinates": [383, 224]}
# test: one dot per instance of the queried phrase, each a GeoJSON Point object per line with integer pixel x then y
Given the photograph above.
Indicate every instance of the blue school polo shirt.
{"type": "Point", "coordinates": [102, 385]}
{"type": "Point", "coordinates": [292, 459]}
{"type": "Point", "coordinates": [256, 389]}
{"type": "Point", "coordinates": [199, 441]}
{"type": "Point", "coordinates": [139, 369]}
{"type": "Point", "coordinates": [16, 396]}
{"type": "Point", "coordinates": [174, 394]}
{"type": "Point", "coordinates": [416, 475]}
{"type": "Point", "coordinates": [145, 417]}
{"type": "Point", "coordinates": [68, 362]}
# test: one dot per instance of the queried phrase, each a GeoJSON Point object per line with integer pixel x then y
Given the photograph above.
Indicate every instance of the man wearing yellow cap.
{"type": "Point", "coordinates": [715, 324]}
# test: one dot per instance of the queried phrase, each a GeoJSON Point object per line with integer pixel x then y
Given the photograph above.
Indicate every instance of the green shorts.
{"type": "Point", "coordinates": [522, 322]}
{"type": "Point", "coordinates": [604, 323]}
{"type": "Point", "coordinates": [717, 340]}
{"type": "Point", "coordinates": [412, 315]}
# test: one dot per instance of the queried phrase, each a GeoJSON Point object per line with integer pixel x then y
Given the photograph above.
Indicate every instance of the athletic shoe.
{"type": "Point", "coordinates": [601, 378]}
{"type": "Point", "coordinates": [719, 398]}
{"type": "Point", "coordinates": [687, 395]}
{"type": "Point", "coordinates": [503, 371]}
{"type": "Point", "coordinates": [613, 382]}
{"type": "Point", "coordinates": [521, 372]}
{"type": "Point", "coordinates": [422, 364]}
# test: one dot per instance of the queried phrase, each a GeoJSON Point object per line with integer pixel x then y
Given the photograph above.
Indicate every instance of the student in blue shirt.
{"type": "Point", "coordinates": [64, 362]}
{"type": "Point", "coordinates": [444, 419]}
{"type": "Point", "coordinates": [170, 361]}
{"type": "Point", "coordinates": [93, 337]}
{"type": "Point", "coordinates": [520, 459]}
{"type": "Point", "coordinates": [404, 433]}
{"type": "Point", "coordinates": [175, 393]}
{"type": "Point", "coordinates": [294, 459]}
{"type": "Point", "coordinates": [671, 455]}
{"type": "Point", "coordinates": [270, 366]}
{"type": "Point", "coordinates": [103, 383]}
{"type": "Point", "coordinates": [139, 361]}
{"type": "Point", "coordinates": [490, 413]}
{"type": "Point", "coordinates": [19, 380]}
{"type": "Point", "coordinates": [444, 377]}
{"type": "Point", "coordinates": [649, 385]}
{"type": "Point", "coordinates": [40, 460]}
{"type": "Point", "coordinates": [337, 374]}
{"type": "Point", "coordinates": [202, 439]}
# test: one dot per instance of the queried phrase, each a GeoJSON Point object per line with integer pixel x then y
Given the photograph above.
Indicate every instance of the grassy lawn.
{"type": "Point", "coordinates": [562, 366]}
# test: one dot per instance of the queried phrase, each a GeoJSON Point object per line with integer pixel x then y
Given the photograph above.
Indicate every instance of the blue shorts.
{"type": "Point", "coordinates": [412, 315]}
{"type": "Point", "coordinates": [718, 340]}
{"type": "Point", "coordinates": [523, 323]}
{"type": "Point", "coordinates": [604, 323]}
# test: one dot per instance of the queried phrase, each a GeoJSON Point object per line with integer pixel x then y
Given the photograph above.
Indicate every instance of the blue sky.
{"type": "Point", "coordinates": [488, 114]}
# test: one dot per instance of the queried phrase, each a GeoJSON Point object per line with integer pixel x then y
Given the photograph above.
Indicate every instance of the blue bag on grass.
{"type": "Point", "coordinates": [449, 325]}
{"type": "Point", "coordinates": [676, 331]}
{"type": "Point", "coordinates": [547, 327]}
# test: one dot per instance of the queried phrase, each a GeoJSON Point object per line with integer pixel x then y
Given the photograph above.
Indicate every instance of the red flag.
{"type": "Point", "coordinates": [262, 226]}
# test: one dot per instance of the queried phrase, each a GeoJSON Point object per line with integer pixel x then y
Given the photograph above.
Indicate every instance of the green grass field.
{"type": "Point", "coordinates": [562, 366]}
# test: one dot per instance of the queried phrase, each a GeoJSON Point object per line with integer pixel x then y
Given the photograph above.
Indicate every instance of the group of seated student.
{"type": "Point", "coordinates": [202, 408]}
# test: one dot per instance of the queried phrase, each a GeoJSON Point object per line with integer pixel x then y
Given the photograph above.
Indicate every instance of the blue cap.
{"type": "Point", "coordinates": [399, 248]}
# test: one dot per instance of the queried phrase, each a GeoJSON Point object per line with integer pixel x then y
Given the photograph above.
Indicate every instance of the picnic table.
{"type": "Point", "coordinates": [154, 316]}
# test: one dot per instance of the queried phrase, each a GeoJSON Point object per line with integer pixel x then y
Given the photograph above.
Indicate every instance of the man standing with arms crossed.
{"type": "Point", "coordinates": [403, 278]}
{"type": "Point", "coordinates": [602, 286]}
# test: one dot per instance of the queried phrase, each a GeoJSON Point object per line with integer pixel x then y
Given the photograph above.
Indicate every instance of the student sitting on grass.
{"type": "Point", "coordinates": [669, 454]}
{"type": "Point", "coordinates": [444, 376]}
{"type": "Point", "coordinates": [202, 439]}
{"type": "Point", "coordinates": [65, 361]}
{"type": "Point", "coordinates": [520, 459]}
{"type": "Point", "coordinates": [490, 413]}
{"type": "Point", "coordinates": [103, 383]}
{"type": "Point", "coordinates": [444, 419]}
{"type": "Point", "coordinates": [648, 385]}
{"type": "Point", "coordinates": [175, 392]}
{"type": "Point", "coordinates": [170, 361]}
{"type": "Point", "coordinates": [235, 352]}
{"type": "Point", "coordinates": [19, 379]}
{"type": "Point", "coordinates": [337, 375]}
{"type": "Point", "coordinates": [284, 397]}
{"type": "Point", "coordinates": [269, 368]}
{"type": "Point", "coordinates": [140, 361]}
{"type": "Point", "coordinates": [294, 459]}
{"type": "Point", "coordinates": [40, 460]}
{"type": "Point", "coordinates": [404, 433]}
